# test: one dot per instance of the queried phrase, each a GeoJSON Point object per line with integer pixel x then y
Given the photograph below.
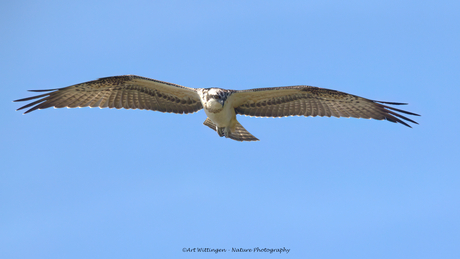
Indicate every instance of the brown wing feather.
{"type": "Point", "coordinates": [313, 101]}
{"type": "Point", "coordinates": [129, 92]}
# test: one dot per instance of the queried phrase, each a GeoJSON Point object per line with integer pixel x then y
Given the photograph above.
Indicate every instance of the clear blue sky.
{"type": "Point", "coordinates": [101, 183]}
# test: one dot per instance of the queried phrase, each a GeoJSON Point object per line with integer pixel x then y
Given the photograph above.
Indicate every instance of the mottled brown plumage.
{"type": "Point", "coordinates": [312, 101]}
{"type": "Point", "coordinates": [221, 106]}
{"type": "Point", "coordinates": [129, 92]}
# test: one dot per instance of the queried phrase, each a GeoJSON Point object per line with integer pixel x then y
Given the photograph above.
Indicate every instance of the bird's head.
{"type": "Point", "coordinates": [215, 99]}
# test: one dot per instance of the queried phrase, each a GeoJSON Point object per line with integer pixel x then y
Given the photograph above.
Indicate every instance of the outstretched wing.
{"type": "Point", "coordinates": [313, 101]}
{"type": "Point", "coordinates": [129, 92]}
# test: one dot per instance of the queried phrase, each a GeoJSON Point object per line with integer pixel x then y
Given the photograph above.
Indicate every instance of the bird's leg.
{"type": "Point", "coordinates": [227, 132]}
{"type": "Point", "coordinates": [223, 131]}
{"type": "Point", "coordinates": [220, 131]}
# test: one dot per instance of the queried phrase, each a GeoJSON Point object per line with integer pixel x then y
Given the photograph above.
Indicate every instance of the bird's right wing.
{"type": "Point", "coordinates": [129, 92]}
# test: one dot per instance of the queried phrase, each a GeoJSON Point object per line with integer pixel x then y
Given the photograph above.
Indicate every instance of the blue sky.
{"type": "Point", "coordinates": [101, 183]}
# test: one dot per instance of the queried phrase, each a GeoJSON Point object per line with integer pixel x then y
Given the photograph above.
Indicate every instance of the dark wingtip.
{"type": "Point", "coordinates": [45, 90]}
{"type": "Point", "coordinates": [392, 103]}
{"type": "Point", "coordinates": [403, 111]}
{"type": "Point", "coordinates": [31, 98]}
{"type": "Point", "coordinates": [393, 116]}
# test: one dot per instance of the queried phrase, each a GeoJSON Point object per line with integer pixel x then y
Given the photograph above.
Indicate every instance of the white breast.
{"type": "Point", "coordinates": [222, 118]}
{"type": "Point", "coordinates": [213, 105]}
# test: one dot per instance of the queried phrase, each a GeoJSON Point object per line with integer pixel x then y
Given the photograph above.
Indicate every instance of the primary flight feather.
{"type": "Point", "coordinates": [220, 105]}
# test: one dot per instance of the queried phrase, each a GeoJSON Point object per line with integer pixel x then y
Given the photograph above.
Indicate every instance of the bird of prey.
{"type": "Point", "coordinates": [220, 105]}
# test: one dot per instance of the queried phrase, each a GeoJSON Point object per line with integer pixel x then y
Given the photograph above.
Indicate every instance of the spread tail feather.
{"type": "Point", "coordinates": [208, 122]}
{"type": "Point", "coordinates": [239, 134]}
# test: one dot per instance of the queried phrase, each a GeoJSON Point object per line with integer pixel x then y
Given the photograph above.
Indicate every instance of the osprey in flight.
{"type": "Point", "coordinates": [221, 105]}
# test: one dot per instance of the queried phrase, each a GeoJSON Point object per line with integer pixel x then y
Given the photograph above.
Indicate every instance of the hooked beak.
{"type": "Point", "coordinates": [221, 102]}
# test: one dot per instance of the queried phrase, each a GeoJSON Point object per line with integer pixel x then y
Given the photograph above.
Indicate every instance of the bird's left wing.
{"type": "Point", "coordinates": [312, 101]}
{"type": "Point", "coordinates": [129, 92]}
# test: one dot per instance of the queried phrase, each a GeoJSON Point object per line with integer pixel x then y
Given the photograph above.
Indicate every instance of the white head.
{"type": "Point", "coordinates": [214, 99]}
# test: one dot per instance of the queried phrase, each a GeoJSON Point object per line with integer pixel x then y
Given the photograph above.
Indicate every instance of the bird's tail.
{"type": "Point", "coordinates": [239, 134]}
